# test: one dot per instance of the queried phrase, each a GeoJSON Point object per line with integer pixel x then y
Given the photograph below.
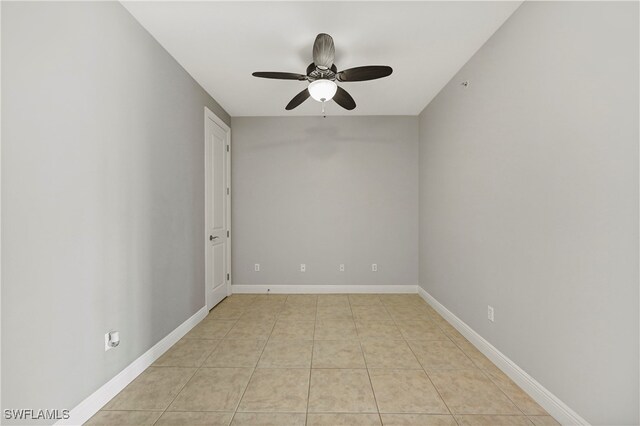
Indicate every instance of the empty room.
{"type": "Point", "coordinates": [298, 213]}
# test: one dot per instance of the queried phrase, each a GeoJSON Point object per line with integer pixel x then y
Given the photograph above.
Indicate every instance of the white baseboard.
{"type": "Point", "coordinates": [554, 406]}
{"type": "Point", "coordinates": [311, 289]}
{"type": "Point", "coordinates": [87, 408]}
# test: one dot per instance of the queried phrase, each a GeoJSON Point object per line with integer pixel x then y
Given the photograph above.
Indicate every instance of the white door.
{"type": "Point", "coordinates": [217, 198]}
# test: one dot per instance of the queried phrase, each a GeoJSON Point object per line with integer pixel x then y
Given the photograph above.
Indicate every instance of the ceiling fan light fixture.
{"type": "Point", "coordinates": [322, 90]}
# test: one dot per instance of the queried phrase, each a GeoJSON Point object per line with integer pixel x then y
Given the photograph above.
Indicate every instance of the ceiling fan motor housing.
{"type": "Point", "coordinates": [316, 73]}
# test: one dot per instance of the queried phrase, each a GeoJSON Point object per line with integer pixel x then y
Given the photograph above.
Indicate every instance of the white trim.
{"type": "Point", "coordinates": [308, 289]}
{"type": "Point", "coordinates": [208, 114]}
{"type": "Point", "coordinates": [554, 406]}
{"type": "Point", "coordinates": [92, 404]}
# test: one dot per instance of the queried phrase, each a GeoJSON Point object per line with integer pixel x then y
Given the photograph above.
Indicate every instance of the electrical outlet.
{"type": "Point", "coordinates": [342, 267]}
{"type": "Point", "coordinates": [111, 340]}
{"type": "Point", "coordinates": [303, 267]}
{"type": "Point", "coordinates": [107, 346]}
{"type": "Point", "coordinates": [490, 316]}
{"type": "Point", "coordinates": [256, 267]}
{"type": "Point", "coordinates": [374, 267]}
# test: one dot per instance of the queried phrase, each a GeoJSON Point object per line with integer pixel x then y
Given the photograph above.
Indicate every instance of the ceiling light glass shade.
{"type": "Point", "coordinates": [322, 90]}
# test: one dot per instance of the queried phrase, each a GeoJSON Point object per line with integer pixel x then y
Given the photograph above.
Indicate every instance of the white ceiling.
{"type": "Point", "coordinates": [221, 43]}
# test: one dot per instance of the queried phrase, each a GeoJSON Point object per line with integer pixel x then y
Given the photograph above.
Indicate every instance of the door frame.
{"type": "Point", "coordinates": [208, 114]}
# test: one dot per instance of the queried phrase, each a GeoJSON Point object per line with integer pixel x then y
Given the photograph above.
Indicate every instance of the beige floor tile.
{"type": "Point", "coordinates": [335, 329]}
{"type": "Point", "coordinates": [288, 329]}
{"type": "Point", "coordinates": [475, 355]}
{"type": "Point", "coordinates": [436, 318]}
{"type": "Point", "coordinates": [432, 312]}
{"type": "Point", "coordinates": [268, 359]}
{"type": "Point", "coordinates": [543, 421]}
{"type": "Point", "coordinates": [522, 400]}
{"type": "Point", "coordinates": [331, 419]}
{"type": "Point", "coordinates": [471, 392]}
{"type": "Point", "coordinates": [364, 299]}
{"type": "Point", "coordinates": [451, 332]}
{"type": "Point", "coordinates": [378, 329]}
{"type": "Point", "coordinates": [251, 329]}
{"type": "Point", "coordinates": [263, 310]}
{"type": "Point", "coordinates": [276, 390]}
{"type": "Point", "coordinates": [298, 313]}
{"type": "Point", "coordinates": [488, 420]}
{"type": "Point", "coordinates": [236, 353]}
{"type": "Point", "coordinates": [305, 300]}
{"type": "Point", "coordinates": [250, 315]}
{"type": "Point", "coordinates": [406, 391]}
{"type": "Point", "coordinates": [269, 419]}
{"type": "Point", "coordinates": [286, 354]}
{"type": "Point", "coordinates": [440, 355]}
{"type": "Point", "coordinates": [333, 300]}
{"type": "Point", "coordinates": [401, 299]}
{"type": "Point", "coordinates": [154, 389]}
{"type": "Point", "coordinates": [388, 354]}
{"type": "Point", "coordinates": [261, 298]}
{"type": "Point", "coordinates": [402, 317]}
{"type": "Point", "coordinates": [226, 312]}
{"type": "Point", "coordinates": [210, 329]}
{"type": "Point", "coordinates": [187, 353]}
{"type": "Point", "coordinates": [191, 418]}
{"type": "Point", "coordinates": [267, 304]}
{"type": "Point", "coordinates": [337, 354]}
{"type": "Point", "coordinates": [213, 389]}
{"type": "Point", "coordinates": [341, 391]}
{"type": "Point", "coordinates": [370, 312]}
{"type": "Point", "coordinates": [118, 418]}
{"type": "Point", "coordinates": [243, 299]}
{"type": "Point", "coordinates": [404, 313]}
{"type": "Point", "coordinates": [334, 312]}
{"type": "Point", "coordinates": [418, 420]}
{"type": "Point", "coordinates": [420, 330]}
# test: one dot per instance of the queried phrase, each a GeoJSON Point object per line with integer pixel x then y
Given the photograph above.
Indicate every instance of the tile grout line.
{"type": "Point", "coordinates": [197, 369]}
{"type": "Point", "coordinates": [387, 307]}
{"type": "Point", "coordinates": [478, 367]}
{"type": "Point", "coordinates": [366, 366]}
{"type": "Point", "coordinates": [423, 369]}
{"type": "Point", "coordinates": [255, 367]}
{"type": "Point", "coordinates": [313, 345]}
{"type": "Point", "coordinates": [488, 376]}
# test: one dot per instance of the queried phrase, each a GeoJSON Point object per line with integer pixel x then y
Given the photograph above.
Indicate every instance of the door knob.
{"type": "Point", "coordinates": [211, 237]}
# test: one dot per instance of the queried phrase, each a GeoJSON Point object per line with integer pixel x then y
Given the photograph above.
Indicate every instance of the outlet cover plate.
{"type": "Point", "coordinates": [107, 346]}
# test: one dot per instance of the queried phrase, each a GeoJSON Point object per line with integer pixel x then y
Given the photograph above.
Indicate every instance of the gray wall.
{"type": "Point", "coordinates": [323, 192]}
{"type": "Point", "coordinates": [529, 200]}
{"type": "Point", "coordinates": [102, 197]}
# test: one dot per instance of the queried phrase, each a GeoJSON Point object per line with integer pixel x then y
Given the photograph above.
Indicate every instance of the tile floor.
{"type": "Point", "coordinates": [360, 359]}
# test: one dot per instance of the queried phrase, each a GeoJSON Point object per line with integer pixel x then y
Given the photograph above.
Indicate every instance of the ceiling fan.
{"type": "Point", "coordinates": [322, 75]}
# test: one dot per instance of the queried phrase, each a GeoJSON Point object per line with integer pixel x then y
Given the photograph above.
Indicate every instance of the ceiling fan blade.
{"type": "Point", "coordinates": [297, 100]}
{"type": "Point", "coordinates": [323, 51]}
{"type": "Point", "coordinates": [369, 72]}
{"type": "Point", "coordinates": [279, 75]}
{"type": "Point", "coordinates": [344, 99]}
